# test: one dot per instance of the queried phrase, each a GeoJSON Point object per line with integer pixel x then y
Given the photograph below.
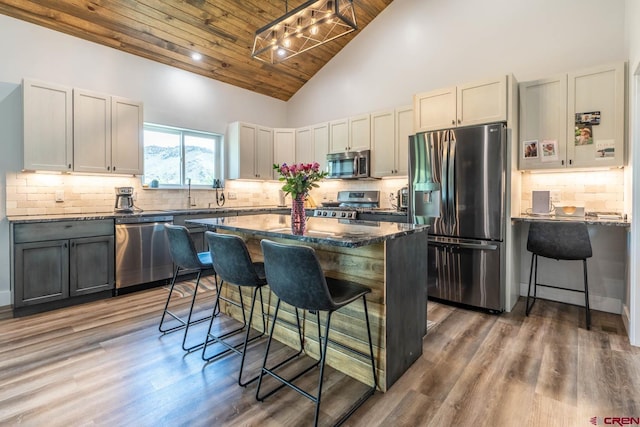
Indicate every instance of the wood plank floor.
{"type": "Point", "coordinates": [104, 363]}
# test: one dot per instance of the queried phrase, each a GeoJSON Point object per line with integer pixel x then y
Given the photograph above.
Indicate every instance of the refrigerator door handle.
{"type": "Point", "coordinates": [451, 183]}
{"type": "Point", "coordinates": [464, 245]}
{"type": "Point", "coordinates": [444, 190]}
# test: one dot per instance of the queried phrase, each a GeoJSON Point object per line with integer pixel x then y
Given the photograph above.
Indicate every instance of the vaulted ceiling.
{"type": "Point", "coordinates": [170, 31]}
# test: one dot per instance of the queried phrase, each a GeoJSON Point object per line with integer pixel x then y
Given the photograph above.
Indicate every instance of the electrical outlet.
{"type": "Point", "coordinates": [555, 196]}
{"type": "Point", "coordinates": [59, 195]}
{"type": "Point", "coordinates": [231, 195]}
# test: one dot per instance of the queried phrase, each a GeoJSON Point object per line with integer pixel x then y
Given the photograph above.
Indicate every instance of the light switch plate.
{"type": "Point", "coordinates": [59, 195]}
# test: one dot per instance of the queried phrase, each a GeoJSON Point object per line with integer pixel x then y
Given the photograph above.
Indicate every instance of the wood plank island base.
{"type": "Point", "coordinates": [389, 258]}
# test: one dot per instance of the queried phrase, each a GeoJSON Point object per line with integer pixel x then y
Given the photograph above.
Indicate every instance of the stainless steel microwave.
{"type": "Point", "coordinates": [349, 164]}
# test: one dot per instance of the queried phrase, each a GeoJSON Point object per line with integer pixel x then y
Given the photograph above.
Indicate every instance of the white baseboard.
{"type": "Point", "coordinates": [5, 298]}
{"type": "Point", "coordinates": [596, 302]}
{"type": "Point", "coordinates": [625, 317]}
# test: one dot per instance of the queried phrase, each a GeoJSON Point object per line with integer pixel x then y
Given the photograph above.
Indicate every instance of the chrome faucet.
{"type": "Point", "coordinates": [189, 204]}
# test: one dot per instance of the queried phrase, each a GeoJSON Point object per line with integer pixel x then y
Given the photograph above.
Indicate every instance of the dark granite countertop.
{"type": "Point", "coordinates": [329, 231]}
{"type": "Point", "coordinates": [169, 212]}
{"type": "Point", "coordinates": [587, 219]}
{"type": "Point", "coordinates": [144, 213]}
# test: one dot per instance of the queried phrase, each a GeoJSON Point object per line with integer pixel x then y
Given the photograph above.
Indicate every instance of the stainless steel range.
{"type": "Point", "coordinates": [348, 203]}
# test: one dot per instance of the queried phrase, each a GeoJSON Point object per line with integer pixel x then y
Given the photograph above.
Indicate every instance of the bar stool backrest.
{"type": "Point", "coordinates": [559, 240]}
{"type": "Point", "coordinates": [231, 259]}
{"type": "Point", "coordinates": [294, 274]}
{"type": "Point", "coordinates": [183, 252]}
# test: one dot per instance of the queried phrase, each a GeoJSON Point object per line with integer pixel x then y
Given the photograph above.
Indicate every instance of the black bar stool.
{"type": "Point", "coordinates": [185, 257]}
{"type": "Point", "coordinates": [296, 277]}
{"type": "Point", "coordinates": [560, 241]}
{"type": "Point", "coordinates": [234, 266]}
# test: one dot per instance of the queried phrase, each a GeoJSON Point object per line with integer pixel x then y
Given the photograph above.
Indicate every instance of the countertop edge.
{"type": "Point", "coordinates": [586, 220]}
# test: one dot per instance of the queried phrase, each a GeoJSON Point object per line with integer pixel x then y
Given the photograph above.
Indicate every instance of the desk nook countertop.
{"type": "Point", "coordinates": [389, 258]}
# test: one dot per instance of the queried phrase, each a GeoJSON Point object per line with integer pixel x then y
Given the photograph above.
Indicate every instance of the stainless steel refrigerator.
{"type": "Point", "coordinates": [457, 184]}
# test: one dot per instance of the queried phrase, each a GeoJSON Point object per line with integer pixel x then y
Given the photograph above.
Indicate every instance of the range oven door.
{"type": "Point", "coordinates": [466, 271]}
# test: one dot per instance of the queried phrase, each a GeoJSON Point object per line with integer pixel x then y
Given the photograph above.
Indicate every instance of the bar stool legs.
{"type": "Point", "coordinates": [322, 342]}
{"type": "Point", "coordinates": [246, 326]}
{"type": "Point", "coordinates": [533, 279]}
{"type": "Point", "coordinates": [182, 323]}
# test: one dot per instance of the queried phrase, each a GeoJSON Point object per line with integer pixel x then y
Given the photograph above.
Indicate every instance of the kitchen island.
{"type": "Point", "coordinates": [389, 258]}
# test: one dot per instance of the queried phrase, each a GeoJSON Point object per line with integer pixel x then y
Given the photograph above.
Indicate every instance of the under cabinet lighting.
{"type": "Point", "coordinates": [313, 23]}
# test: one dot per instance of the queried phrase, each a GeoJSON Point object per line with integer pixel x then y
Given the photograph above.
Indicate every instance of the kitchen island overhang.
{"type": "Point", "coordinates": [389, 258]}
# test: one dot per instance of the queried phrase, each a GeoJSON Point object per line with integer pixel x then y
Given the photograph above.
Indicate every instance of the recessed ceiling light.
{"type": "Point", "coordinates": [196, 56]}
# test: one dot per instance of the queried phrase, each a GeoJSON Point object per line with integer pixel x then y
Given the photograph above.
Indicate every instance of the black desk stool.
{"type": "Point", "coordinates": [185, 257]}
{"type": "Point", "coordinates": [233, 264]}
{"type": "Point", "coordinates": [296, 277]}
{"type": "Point", "coordinates": [560, 241]}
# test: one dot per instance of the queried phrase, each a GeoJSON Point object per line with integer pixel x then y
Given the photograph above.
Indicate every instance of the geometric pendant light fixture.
{"type": "Point", "coordinates": [311, 24]}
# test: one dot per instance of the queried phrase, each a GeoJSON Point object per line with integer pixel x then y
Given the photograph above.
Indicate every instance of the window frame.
{"type": "Point", "coordinates": [182, 133]}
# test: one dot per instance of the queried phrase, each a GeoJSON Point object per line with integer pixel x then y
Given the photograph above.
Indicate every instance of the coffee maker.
{"type": "Point", "coordinates": [124, 199]}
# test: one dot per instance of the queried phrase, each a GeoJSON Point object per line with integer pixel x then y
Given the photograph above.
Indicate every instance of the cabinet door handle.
{"type": "Point", "coordinates": [570, 162]}
{"type": "Point", "coordinates": [65, 245]}
{"type": "Point", "coordinates": [459, 121]}
{"type": "Point", "coordinates": [453, 122]}
{"type": "Point", "coordinates": [69, 165]}
{"type": "Point", "coordinates": [114, 168]}
{"type": "Point", "coordinates": [562, 162]}
{"type": "Point", "coordinates": [108, 168]}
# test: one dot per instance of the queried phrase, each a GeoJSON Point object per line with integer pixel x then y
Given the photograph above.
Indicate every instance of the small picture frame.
{"type": "Point", "coordinates": [549, 149]}
{"type": "Point", "coordinates": [589, 118]}
{"type": "Point", "coordinates": [583, 135]}
{"type": "Point", "coordinates": [530, 149]}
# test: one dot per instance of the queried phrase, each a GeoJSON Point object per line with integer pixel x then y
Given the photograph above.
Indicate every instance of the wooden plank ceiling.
{"type": "Point", "coordinates": [169, 31]}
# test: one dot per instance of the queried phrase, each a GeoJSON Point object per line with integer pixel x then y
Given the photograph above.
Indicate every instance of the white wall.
{"type": "Point", "coordinates": [632, 34]}
{"type": "Point", "coordinates": [418, 45]}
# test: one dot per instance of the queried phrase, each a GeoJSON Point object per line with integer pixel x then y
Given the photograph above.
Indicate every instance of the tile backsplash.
{"type": "Point", "coordinates": [30, 193]}
{"type": "Point", "coordinates": [601, 191]}
{"type": "Point", "coordinates": [35, 193]}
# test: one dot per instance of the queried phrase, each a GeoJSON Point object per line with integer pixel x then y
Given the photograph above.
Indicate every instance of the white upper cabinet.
{"type": "Point", "coordinates": [312, 144]}
{"type": "Point", "coordinates": [264, 153]}
{"type": "Point", "coordinates": [320, 138]}
{"type": "Point", "coordinates": [383, 144]}
{"type": "Point", "coordinates": [360, 133]}
{"type": "Point", "coordinates": [339, 135]}
{"type": "Point", "coordinates": [543, 113]}
{"type": "Point", "coordinates": [600, 89]}
{"type": "Point", "coordinates": [463, 105]}
{"type": "Point", "coordinates": [81, 131]}
{"type": "Point", "coordinates": [249, 151]}
{"type": "Point", "coordinates": [573, 120]}
{"type": "Point", "coordinates": [404, 129]}
{"type": "Point", "coordinates": [352, 134]}
{"type": "Point", "coordinates": [91, 132]}
{"type": "Point", "coordinates": [284, 147]}
{"type": "Point", "coordinates": [107, 134]}
{"type": "Point", "coordinates": [390, 132]}
{"type": "Point", "coordinates": [48, 126]}
{"type": "Point", "coordinates": [304, 145]}
{"type": "Point", "coordinates": [127, 154]}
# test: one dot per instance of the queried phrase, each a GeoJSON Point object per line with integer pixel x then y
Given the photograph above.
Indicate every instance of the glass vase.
{"type": "Point", "coordinates": [298, 219]}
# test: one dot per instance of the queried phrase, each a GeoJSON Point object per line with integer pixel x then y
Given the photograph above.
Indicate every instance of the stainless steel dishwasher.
{"type": "Point", "coordinates": [142, 250]}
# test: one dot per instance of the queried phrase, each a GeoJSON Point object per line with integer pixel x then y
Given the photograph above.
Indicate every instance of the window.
{"type": "Point", "coordinates": [174, 156]}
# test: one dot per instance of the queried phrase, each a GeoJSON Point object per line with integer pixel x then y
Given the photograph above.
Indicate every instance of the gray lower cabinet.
{"type": "Point", "coordinates": [57, 260]}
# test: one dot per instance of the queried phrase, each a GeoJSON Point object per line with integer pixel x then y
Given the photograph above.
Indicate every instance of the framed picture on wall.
{"type": "Point", "coordinates": [530, 149]}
